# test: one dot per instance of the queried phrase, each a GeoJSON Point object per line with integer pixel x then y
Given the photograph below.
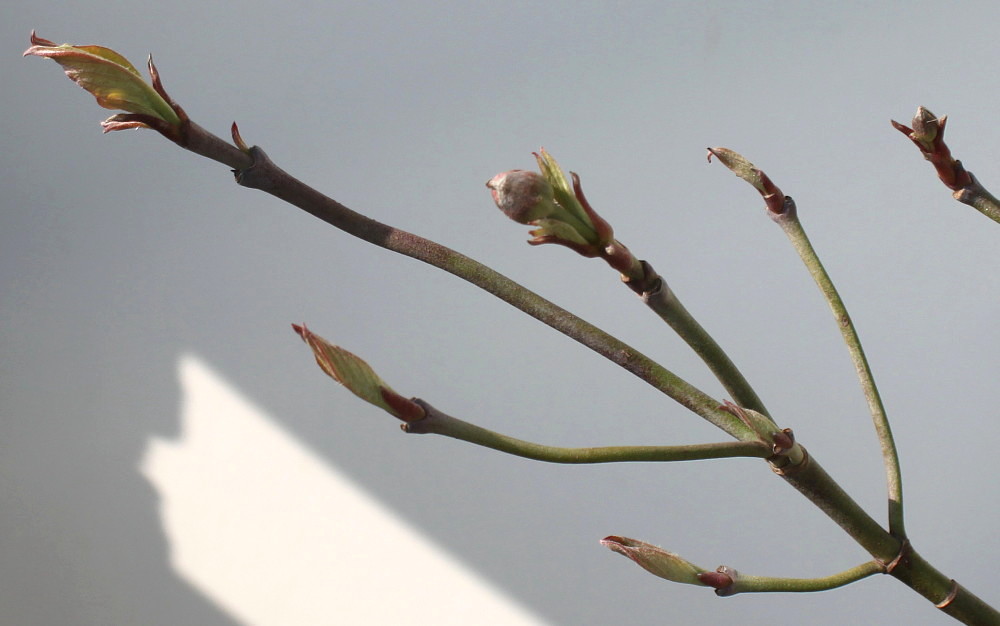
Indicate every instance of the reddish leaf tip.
{"type": "Point", "coordinates": [38, 41]}
{"type": "Point", "coordinates": [154, 76]}
{"type": "Point", "coordinates": [906, 130]}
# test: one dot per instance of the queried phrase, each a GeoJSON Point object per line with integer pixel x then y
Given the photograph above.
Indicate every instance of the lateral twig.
{"type": "Point", "coordinates": [789, 222]}
{"type": "Point", "coordinates": [440, 423]}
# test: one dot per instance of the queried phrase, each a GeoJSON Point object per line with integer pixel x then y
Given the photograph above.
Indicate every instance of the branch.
{"type": "Point", "coordinates": [781, 209]}
{"type": "Point", "coordinates": [725, 580]}
{"type": "Point", "coordinates": [419, 417]}
{"type": "Point", "coordinates": [976, 196]}
{"type": "Point", "coordinates": [790, 223]}
{"type": "Point", "coordinates": [788, 459]}
{"type": "Point", "coordinates": [440, 423]}
{"type": "Point", "coordinates": [662, 300]}
{"type": "Point", "coordinates": [732, 582]}
{"type": "Point", "coordinates": [111, 79]}
{"type": "Point", "coordinates": [902, 562]}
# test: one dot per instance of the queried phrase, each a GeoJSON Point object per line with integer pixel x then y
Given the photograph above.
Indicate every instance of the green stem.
{"type": "Point", "coordinates": [641, 278]}
{"type": "Point", "coordinates": [440, 423]}
{"type": "Point", "coordinates": [907, 566]}
{"type": "Point", "coordinates": [664, 302]}
{"type": "Point", "coordinates": [976, 196]}
{"type": "Point", "coordinates": [789, 222]}
{"type": "Point", "coordinates": [743, 583]}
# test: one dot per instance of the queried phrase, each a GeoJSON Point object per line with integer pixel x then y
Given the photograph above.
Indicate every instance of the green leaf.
{"type": "Point", "coordinates": [559, 230]}
{"type": "Point", "coordinates": [562, 190]}
{"type": "Point", "coordinates": [108, 76]}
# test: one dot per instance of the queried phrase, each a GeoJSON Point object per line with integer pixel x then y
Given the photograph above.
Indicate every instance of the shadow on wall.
{"type": "Point", "coordinates": [81, 537]}
{"type": "Point", "coordinates": [269, 531]}
{"type": "Point", "coordinates": [235, 522]}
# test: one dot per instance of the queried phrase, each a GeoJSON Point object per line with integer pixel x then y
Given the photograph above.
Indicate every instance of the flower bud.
{"type": "Point", "coordinates": [925, 127]}
{"type": "Point", "coordinates": [559, 211]}
{"type": "Point", "coordinates": [928, 135]}
{"type": "Point", "coordinates": [523, 196]}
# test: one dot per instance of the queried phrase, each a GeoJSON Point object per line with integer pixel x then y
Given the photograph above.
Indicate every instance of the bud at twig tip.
{"type": "Point", "coordinates": [775, 200]}
{"type": "Point", "coordinates": [927, 133]}
{"type": "Point", "coordinates": [656, 560]}
{"type": "Point", "coordinates": [360, 379]}
{"type": "Point", "coordinates": [116, 84]}
{"type": "Point", "coordinates": [547, 201]}
{"type": "Point", "coordinates": [523, 196]}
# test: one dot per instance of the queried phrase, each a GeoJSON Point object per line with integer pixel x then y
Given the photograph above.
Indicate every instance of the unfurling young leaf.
{"type": "Point", "coordinates": [656, 560]}
{"type": "Point", "coordinates": [739, 166]}
{"type": "Point", "coordinates": [360, 379]}
{"type": "Point", "coordinates": [114, 82]}
{"type": "Point", "coordinates": [776, 202]}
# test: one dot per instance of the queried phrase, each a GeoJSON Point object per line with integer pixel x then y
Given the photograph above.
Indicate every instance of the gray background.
{"type": "Point", "coordinates": [120, 252]}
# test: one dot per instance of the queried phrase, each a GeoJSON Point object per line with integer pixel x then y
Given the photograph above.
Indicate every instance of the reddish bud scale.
{"type": "Point", "coordinates": [783, 441]}
{"type": "Point", "coordinates": [718, 580]}
{"type": "Point", "coordinates": [405, 409]}
{"type": "Point", "coordinates": [239, 143]}
{"type": "Point", "coordinates": [605, 234]}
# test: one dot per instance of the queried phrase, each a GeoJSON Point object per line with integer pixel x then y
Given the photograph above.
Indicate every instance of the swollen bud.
{"type": "Point", "coordinates": [739, 166]}
{"type": "Point", "coordinates": [774, 199]}
{"type": "Point", "coordinates": [925, 127]}
{"type": "Point", "coordinates": [928, 135]}
{"type": "Point", "coordinates": [523, 196]}
{"type": "Point", "coordinates": [657, 561]}
{"type": "Point", "coordinates": [559, 211]}
{"type": "Point", "coordinates": [360, 379]}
